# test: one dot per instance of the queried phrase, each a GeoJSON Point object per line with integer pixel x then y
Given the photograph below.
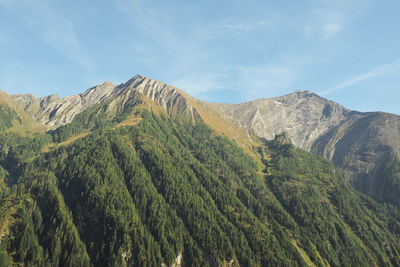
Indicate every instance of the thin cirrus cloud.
{"type": "Point", "coordinates": [149, 21]}
{"type": "Point", "coordinates": [160, 40]}
{"type": "Point", "coordinates": [386, 69]}
{"type": "Point", "coordinates": [189, 49]}
{"type": "Point", "coordinates": [246, 26]}
{"type": "Point", "coordinates": [63, 38]}
{"type": "Point", "coordinates": [53, 27]}
{"type": "Point", "coordinates": [191, 53]}
{"type": "Point", "coordinates": [333, 27]}
{"type": "Point", "coordinates": [202, 84]}
{"type": "Point", "coordinates": [261, 80]}
{"type": "Point", "coordinates": [332, 22]}
{"type": "Point", "coordinates": [329, 18]}
{"type": "Point", "coordinates": [244, 83]}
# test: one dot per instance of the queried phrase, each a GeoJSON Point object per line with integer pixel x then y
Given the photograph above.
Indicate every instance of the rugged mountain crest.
{"type": "Point", "coordinates": [53, 111]}
{"type": "Point", "coordinates": [171, 99]}
{"type": "Point", "coordinates": [303, 115]}
{"type": "Point", "coordinates": [22, 123]}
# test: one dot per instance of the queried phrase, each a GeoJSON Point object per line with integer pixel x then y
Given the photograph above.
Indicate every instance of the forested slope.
{"type": "Point", "coordinates": [166, 191]}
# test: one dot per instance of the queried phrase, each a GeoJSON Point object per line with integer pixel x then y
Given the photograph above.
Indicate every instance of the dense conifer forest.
{"type": "Point", "coordinates": [164, 189]}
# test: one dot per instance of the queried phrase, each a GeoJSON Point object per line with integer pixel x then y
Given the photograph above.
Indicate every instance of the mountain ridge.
{"type": "Point", "coordinates": [310, 121]}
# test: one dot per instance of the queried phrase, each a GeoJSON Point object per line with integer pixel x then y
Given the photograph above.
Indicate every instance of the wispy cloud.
{"type": "Point", "coordinates": [53, 26]}
{"type": "Point", "coordinates": [387, 69]}
{"type": "Point", "coordinates": [333, 26]}
{"type": "Point", "coordinates": [266, 80]}
{"type": "Point", "coordinates": [161, 39]}
{"type": "Point", "coordinates": [190, 52]}
{"type": "Point", "coordinates": [201, 85]}
{"type": "Point", "coordinates": [148, 21]}
{"type": "Point", "coordinates": [64, 39]}
{"type": "Point", "coordinates": [331, 17]}
{"type": "Point", "coordinates": [245, 83]}
{"type": "Point", "coordinates": [246, 26]}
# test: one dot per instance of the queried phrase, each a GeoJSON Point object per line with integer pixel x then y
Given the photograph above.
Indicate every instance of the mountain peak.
{"type": "Point", "coordinates": [303, 114]}
{"type": "Point", "coordinates": [140, 80]}
{"type": "Point", "coordinates": [302, 94]}
{"type": "Point", "coordinates": [140, 89]}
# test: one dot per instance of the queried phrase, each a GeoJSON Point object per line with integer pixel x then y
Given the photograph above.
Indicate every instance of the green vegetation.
{"type": "Point", "coordinates": [141, 195]}
{"type": "Point", "coordinates": [7, 116]}
{"type": "Point", "coordinates": [389, 186]}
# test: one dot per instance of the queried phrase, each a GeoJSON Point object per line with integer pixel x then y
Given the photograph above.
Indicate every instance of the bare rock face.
{"type": "Point", "coordinates": [362, 145]}
{"type": "Point", "coordinates": [303, 115]}
{"type": "Point", "coordinates": [62, 111]}
{"type": "Point", "coordinates": [171, 99]}
{"type": "Point", "coordinates": [32, 104]}
{"type": "Point", "coordinates": [53, 111]}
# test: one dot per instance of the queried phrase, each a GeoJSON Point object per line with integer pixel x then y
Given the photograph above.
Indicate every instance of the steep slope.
{"type": "Point", "coordinates": [54, 112]}
{"type": "Point", "coordinates": [363, 145]}
{"type": "Point", "coordinates": [360, 143]}
{"type": "Point", "coordinates": [13, 119]}
{"type": "Point", "coordinates": [167, 190]}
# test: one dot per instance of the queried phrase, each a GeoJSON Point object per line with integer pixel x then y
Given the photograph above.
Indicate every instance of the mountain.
{"type": "Point", "coordinates": [159, 97]}
{"type": "Point", "coordinates": [142, 174]}
{"type": "Point", "coordinates": [360, 143]}
{"type": "Point", "coordinates": [14, 119]}
{"type": "Point", "coordinates": [364, 145]}
{"type": "Point", "coordinates": [303, 115]}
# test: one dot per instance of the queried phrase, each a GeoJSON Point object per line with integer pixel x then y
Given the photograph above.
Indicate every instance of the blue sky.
{"type": "Point", "coordinates": [218, 51]}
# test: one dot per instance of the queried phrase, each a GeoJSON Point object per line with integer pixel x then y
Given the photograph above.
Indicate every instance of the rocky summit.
{"type": "Point", "coordinates": [53, 111]}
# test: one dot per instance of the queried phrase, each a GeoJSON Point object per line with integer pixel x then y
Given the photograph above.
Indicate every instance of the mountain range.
{"type": "Point", "coordinates": [142, 173]}
{"type": "Point", "coordinates": [360, 143]}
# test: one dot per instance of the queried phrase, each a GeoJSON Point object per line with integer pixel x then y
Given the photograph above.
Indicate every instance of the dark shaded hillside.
{"type": "Point", "coordinates": [152, 193]}
{"type": "Point", "coordinates": [365, 146]}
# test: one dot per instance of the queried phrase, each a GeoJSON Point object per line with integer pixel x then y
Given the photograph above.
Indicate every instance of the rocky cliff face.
{"type": "Point", "coordinates": [53, 111]}
{"type": "Point", "coordinates": [362, 145]}
{"type": "Point", "coordinates": [303, 115]}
